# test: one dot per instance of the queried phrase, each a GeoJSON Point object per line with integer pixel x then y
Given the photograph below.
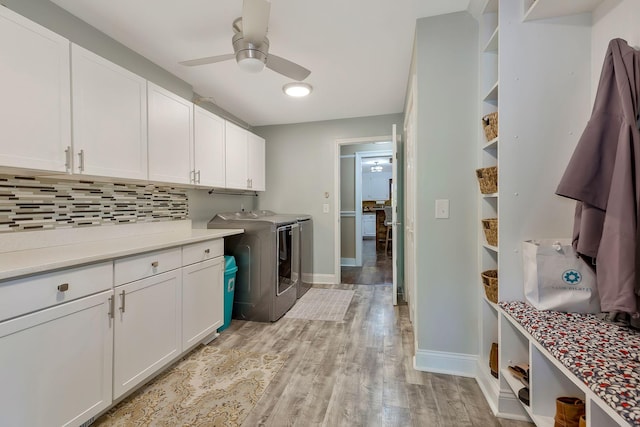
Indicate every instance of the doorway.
{"type": "Point", "coordinates": [365, 184]}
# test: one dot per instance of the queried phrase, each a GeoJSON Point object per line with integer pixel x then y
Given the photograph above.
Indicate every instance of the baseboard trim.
{"type": "Point", "coordinates": [348, 262]}
{"type": "Point", "coordinates": [441, 362]}
{"type": "Point", "coordinates": [489, 386]}
{"type": "Point", "coordinates": [324, 279]}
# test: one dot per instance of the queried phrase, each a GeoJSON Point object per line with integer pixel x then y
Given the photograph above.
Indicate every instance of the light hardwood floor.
{"type": "Point", "coordinates": [357, 372]}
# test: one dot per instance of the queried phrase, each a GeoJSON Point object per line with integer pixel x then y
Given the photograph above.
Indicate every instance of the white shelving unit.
{"type": "Point", "coordinates": [524, 71]}
{"type": "Point", "coordinates": [543, 9]}
{"type": "Point", "coordinates": [548, 379]}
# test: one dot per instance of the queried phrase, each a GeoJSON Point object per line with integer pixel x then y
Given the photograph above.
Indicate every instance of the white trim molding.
{"type": "Point", "coordinates": [324, 279]}
{"type": "Point", "coordinates": [441, 362]}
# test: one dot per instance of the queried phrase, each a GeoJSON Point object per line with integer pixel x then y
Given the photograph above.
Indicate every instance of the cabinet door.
{"type": "Point", "coordinates": [256, 167]}
{"type": "Point", "coordinates": [202, 300]}
{"type": "Point", "coordinates": [236, 153]}
{"type": "Point", "coordinates": [147, 328]}
{"type": "Point", "coordinates": [57, 364]}
{"type": "Point", "coordinates": [35, 109]}
{"type": "Point", "coordinates": [208, 149]}
{"type": "Point", "coordinates": [170, 136]}
{"type": "Point", "coordinates": [369, 225]}
{"type": "Point", "coordinates": [109, 107]}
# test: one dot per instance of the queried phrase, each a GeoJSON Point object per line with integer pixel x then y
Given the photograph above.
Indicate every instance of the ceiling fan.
{"type": "Point", "coordinates": [251, 46]}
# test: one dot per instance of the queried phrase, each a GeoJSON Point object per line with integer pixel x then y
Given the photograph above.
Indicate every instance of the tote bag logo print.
{"type": "Point", "coordinates": [571, 277]}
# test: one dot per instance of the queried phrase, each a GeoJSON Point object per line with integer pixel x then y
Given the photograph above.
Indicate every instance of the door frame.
{"type": "Point", "coordinates": [336, 191]}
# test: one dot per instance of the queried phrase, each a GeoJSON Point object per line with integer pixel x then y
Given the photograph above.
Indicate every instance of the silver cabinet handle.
{"type": "Point", "coordinates": [197, 180]}
{"type": "Point", "coordinates": [63, 288]}
{"type": "Point", "coordinates": [155, 264]}
{"type": "Point", "coordinates": [112, 303]}
{"type": "Point", "coordinates": [192, 176]}
{"type": "Point", "coordinates": [67, 158]}
{"type": "Point", "coordinates": [122, 301]}
{"type": "Point", "coordinates": [81, 158]}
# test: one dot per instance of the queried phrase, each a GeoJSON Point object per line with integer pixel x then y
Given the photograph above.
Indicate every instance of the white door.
{"type": "Point", "coordinates": [208, 149]}
{"type": "Point", "coordinates": [236, 153]}
{"type": "Point", "coordinates": [256, 168]}
{"type": "Point", "coordinates": [202, 300]}
{"type": "Point", "coordinates": [35, 106]}
{"type": "Point", "coordinates": [170, 136]}
{"type": "Point", "coordinates": [109, 106]}
{"type": "Point", "coordinates": [56, 364]}
{"type": "Point", "coordinates": [409, 215]}
{"type": "Point", "coordinates": [148, 318]}
{"type": "Point", "coordinates": [394, 215]}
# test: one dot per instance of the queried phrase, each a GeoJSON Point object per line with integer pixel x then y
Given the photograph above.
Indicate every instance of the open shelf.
{"type": "Point", "coordinates": [491, 145]}
{"type": "Point", "coordinates": [490, 196]}
{"type": "Point", "coordinates": [543, 9]}
{"type": "Point", "coordinates": [492, 44]}
{"type": "Point", "coordinates": [492, 96]}
{"type": "Point", "coordinates": [491, 6]}
{"type": "Point", "coordinates": [491, 248]}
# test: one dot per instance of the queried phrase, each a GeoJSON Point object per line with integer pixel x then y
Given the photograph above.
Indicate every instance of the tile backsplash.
{"type": "Point", "coordinates": [28, 203]}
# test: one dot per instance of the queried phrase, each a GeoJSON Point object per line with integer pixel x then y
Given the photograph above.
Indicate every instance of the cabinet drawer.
{"type": "Point", "coordinates": [140, 266]}
{"type": "Point", "coordinates": [21, 296]}
{"type": "Point", "coordinates": [202, 251]}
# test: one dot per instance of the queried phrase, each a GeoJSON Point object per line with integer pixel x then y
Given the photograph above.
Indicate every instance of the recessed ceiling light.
{"type": "Point", "coordinates": [297, 89]}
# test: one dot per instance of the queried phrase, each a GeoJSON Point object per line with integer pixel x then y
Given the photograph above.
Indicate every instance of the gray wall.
{"type": "Point", "coordinates": [446, 158]}
{"type": "Point", "coordinates": [300, 169]}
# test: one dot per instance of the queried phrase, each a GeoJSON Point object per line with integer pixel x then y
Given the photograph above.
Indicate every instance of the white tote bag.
{"type": "Point", "coordinates": [555, 278]}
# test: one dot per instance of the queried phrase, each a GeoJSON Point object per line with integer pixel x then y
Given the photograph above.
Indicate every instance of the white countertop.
{"type": "Point", "coordinates": [37, 260]}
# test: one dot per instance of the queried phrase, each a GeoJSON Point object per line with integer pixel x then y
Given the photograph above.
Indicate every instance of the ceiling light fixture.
{"type": "Point", "coordinates": [376, 168]}
{"type": "Point", "coordinates": [297, 89]}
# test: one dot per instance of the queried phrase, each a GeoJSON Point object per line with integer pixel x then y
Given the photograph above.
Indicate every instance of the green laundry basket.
{"type": "Point", "coordinates": [230, 269]}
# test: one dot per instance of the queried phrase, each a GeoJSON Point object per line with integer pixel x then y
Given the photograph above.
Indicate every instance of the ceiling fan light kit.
{"type": "Point", "coordinates": [297, 89]}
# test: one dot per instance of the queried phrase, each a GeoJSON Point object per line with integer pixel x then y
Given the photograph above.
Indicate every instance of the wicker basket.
{"type": "Point", "coordinates": [490, 282]}
{"type": "Point", "coordinates": [490, 125]}
{"type": "Point", "coordinates": [490, 227]}
{"type": "Point", "coordinates": [488, 179]}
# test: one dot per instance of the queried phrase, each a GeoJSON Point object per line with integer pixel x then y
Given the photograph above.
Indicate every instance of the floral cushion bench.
{"type": "Point", "coordinates": [605, 357]}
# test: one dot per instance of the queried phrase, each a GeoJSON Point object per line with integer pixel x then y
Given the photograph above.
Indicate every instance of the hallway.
{"type": "Point", "coordinates": [376, 267]}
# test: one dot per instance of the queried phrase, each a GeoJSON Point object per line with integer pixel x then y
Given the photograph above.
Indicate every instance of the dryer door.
{"type": "Point", "coordinates": [288, 257]}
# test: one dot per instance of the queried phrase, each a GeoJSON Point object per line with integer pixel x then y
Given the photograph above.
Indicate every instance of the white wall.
{"type": "Point", "coordinates": [446, 150]}
{"type": "Point", "coordinates": [300, 169]}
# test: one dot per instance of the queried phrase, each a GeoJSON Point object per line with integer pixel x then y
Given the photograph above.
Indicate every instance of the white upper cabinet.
{"type": "Point", "coordinates": [109, 118]}
{"type": "Point", "coordinates": [35, 121]}
{"type": "Point", "coordinates": [208, 149]}
{"type": "Point", "coordinates": [245, 159]}
{"type": "Point", "coordinates": [256, 168]}
{"type": "Point", "coordinates": [170, 136]}
{"type": "Point", "coordinates": [236, 155]}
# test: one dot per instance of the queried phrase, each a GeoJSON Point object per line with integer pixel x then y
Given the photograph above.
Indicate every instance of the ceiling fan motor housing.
{"type": "Point", "coordinates": [247, 50]}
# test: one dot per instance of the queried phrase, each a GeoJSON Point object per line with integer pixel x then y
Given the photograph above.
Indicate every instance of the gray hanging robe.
{"type": "Point", "coordinates": [603, 175]}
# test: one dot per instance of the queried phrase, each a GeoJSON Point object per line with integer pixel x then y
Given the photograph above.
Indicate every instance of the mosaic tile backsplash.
{"type": "Point", "coordinates": [28, 204]}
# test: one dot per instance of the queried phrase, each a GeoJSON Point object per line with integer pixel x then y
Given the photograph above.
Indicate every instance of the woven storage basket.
{"type": "Point", "coordinates": [488, 179]}
{"type": "Point", "coordinates": [490, 227]}
{"type": "Point", "coordinates": [490, 282]}
{"type": "Point", "coordinates": [490, 125]}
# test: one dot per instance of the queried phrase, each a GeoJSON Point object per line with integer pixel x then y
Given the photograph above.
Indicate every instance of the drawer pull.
{"type": "Point", "coordinates": [155, 264]}
{"type": "Point", "coordinates": [63, 288]}
{"type": "Point", "coordinates": [207, 251]}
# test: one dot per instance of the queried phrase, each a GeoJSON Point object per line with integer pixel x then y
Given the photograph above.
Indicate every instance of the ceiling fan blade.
{"type": "Point", "coordinates": [287, 68]}
{"type": "Point", "coordinates": [255, 20]}
{"type": "Point", "coordinates": [208, 60]}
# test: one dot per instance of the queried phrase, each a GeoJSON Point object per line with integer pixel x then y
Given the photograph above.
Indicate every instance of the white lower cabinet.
{"type": "Point", "coordinates": [202, 300]}
{"type": "Point", "coordinates": [56, 364]}
{"type": "Point", "coordinates": [147, 328]}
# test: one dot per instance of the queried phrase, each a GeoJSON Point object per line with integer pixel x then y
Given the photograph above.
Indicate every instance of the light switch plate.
{"type": "Point", "coordinates": [442, 208]}
{"type": "Point", "coordinates": [325, 208]}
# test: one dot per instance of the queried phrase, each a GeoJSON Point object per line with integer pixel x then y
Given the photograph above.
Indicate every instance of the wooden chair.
{"type": "Point", "coordinates": [388, 220]}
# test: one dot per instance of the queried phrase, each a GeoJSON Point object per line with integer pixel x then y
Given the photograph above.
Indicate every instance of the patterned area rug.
{"type": "Point", "coordinates": [322, 304]}
{"type": "Point", "coordinates": [209, 387]}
